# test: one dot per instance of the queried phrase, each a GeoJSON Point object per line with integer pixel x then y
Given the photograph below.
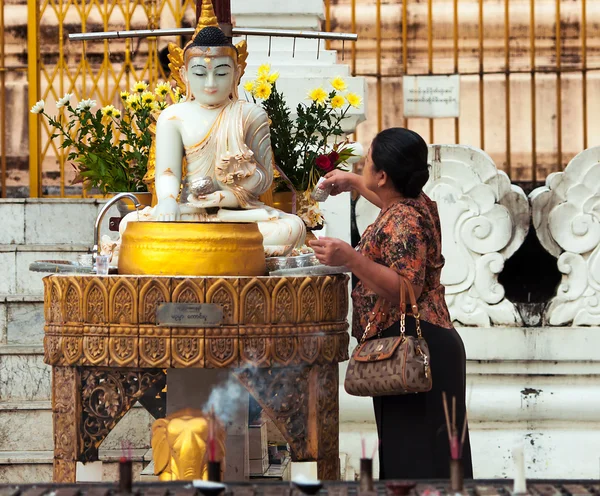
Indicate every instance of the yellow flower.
{"type": "Point", "coordinates": [249, 86]}
{"type": "Point", "coordinates": [109, 111]}
{"type": "Point", "coordinates": [353, 99]}
{"type": "Point", "coordinates": [262, 91]}
{"type": "Point", "coordinates": [140, 87]}
{"type": "Point", "coordinates": [339, 84]}
{"type": "Point", "coordinates": [148, 98]}
{"type": "Point", "coordinates": [162, 89]}
{"type": "Point", "coordinates": [273, 77]}
{"type": "Point", "coordinates": [133, 101]}
{"type": "Point", "coordinates": [117, 114]}
{"type": "Point", "coordinates": [124, 95]}
{"type": "Point", "coordinates": [318, 95]}
{"type": "Point", "coordinates": [337, 101]}
{"type": "Point", "coordinates": [264, 69]}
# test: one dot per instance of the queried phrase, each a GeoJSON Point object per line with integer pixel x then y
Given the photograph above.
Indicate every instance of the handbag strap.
{"type": "Point", "coordinates": [382, 307]}
{"type": "Point", "coordinates": [405, 285]}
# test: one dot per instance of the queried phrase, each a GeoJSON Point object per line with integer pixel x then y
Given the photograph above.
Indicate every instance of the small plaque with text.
{"type": "Point", "coordinates": [189, 315]}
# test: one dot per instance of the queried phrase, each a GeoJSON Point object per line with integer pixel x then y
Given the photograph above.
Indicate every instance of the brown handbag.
{"type": "Point", "coordinates": [394, 365]}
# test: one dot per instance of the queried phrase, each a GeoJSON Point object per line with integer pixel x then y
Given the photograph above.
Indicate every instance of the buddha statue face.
{"type": "Point", "coordinates": [211, 79]}
{"type": "Point", "coordinates": [211, 71]}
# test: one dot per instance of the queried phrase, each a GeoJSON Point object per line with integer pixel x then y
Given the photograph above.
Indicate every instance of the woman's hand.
{"type": "Point", "coordinates": [341, 181]}
{"type": "Point", "coordinates": [333, 251]}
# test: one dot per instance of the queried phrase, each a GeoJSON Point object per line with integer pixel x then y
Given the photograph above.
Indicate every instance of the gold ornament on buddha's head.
{"type": "Point", "coordinates": [207, 44]}
{"type": "Point", "coordinates": [210, 43]}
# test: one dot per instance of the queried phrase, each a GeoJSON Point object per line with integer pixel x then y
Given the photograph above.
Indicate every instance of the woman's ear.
{"type": "Point", "coordinates": [382, 178]}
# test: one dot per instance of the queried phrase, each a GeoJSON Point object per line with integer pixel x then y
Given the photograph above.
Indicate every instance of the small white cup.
{"type": "Point", "coordinates": [102, 265]}
{"type": "Point", "coordinates": [319, 194]}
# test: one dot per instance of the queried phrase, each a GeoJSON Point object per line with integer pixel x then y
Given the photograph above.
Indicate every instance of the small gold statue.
{"type": "Point", "coordinates": [184, 442]}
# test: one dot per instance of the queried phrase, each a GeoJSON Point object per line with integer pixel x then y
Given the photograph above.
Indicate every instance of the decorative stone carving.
{"type": "Point", "coordinates": [484, 220]}
{"type": "Point", "coordinates": [566, 217]}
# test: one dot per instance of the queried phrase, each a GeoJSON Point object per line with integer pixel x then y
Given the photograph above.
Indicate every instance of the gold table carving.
{"type": "Point", "coordinates": [283, 336]}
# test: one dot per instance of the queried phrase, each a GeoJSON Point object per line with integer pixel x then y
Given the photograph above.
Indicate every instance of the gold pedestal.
{"type": "Point", "coordinates": [192, 249]}
{"type": "Point", "coordinates": [282, 337]}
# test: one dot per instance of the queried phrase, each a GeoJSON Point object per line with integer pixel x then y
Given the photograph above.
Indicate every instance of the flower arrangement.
{"type": "Point", "coordinates": [110, 148]}
{"type": "Point", "coordinates": [303, 148]}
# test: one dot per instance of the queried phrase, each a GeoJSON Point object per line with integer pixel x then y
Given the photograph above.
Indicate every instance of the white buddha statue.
{"type": "Point", "coordinates": [227, 146]}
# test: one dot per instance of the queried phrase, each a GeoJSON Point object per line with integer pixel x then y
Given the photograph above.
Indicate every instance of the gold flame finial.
{"type": "Point", "coordinates": [208, 18]}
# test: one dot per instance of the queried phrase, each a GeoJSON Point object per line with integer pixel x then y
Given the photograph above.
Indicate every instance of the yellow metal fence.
{"type": "Point", "coordinates": [97, 70]}
{"type": "Point", "coordinates": [529, 71]}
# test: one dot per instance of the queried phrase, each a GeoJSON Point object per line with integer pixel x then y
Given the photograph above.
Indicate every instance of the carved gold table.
{"type": "Point", "coordinates": [283, 337]}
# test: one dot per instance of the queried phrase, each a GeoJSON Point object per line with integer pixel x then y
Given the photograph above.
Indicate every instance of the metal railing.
{"type": "Point", "coordinates": [530, 72]}
{"type": "Point", "coordinates": [497, 49]}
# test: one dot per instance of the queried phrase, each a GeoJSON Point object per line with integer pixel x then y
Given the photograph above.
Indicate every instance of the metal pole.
{"type": "Point", "coordinates": [3, 106]}
{"type": "Point", "coordinates": [33, 60]}
{"type": "Point", "coordinates": [148, 33]}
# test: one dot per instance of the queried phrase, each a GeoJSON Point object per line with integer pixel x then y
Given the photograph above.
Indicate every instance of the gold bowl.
{"type": "Point", "coordinates": [192, 249]}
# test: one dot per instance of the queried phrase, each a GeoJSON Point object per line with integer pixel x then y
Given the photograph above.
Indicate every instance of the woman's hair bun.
{"type": "Point", "coordinates": [415, 183]}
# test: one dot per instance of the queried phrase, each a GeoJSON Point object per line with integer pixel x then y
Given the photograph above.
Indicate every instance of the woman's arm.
{"type": "Point", "coordinates": [341, 181]}
{"type": "Point", "coordinates": [381, 279]}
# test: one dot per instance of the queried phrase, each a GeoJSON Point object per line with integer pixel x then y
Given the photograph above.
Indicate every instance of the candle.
{"type": "Point", "coordinates": [520, 486]}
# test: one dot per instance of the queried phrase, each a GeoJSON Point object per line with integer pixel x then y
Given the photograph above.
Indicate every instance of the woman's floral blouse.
{"type": "Point", "coordinates": [406, 237]}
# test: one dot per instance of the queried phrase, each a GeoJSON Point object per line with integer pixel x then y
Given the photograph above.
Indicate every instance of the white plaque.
{"type": "Point", "coordinates": [189, 315]}
{"type": "Point", "coordinates": [431, 96]}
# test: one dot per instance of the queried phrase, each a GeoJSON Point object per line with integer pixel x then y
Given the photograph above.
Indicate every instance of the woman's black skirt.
{"type": "Point", "coordinates": [412, 427]}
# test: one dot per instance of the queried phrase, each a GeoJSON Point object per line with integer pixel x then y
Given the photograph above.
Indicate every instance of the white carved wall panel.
{"type": "Point", "coordinates": [484, 220]}
{"type": "Point", "coordinates": [566, 217]}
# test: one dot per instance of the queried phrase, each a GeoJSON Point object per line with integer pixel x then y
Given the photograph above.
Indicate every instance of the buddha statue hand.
{"type": "Point", "coordinates": [167, 209]}
{"type": "Point", "coordinates": [222, 198]}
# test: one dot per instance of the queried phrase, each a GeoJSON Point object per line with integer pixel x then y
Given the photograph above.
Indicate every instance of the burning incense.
{"type": "Point", "coordinates": [212, 454]}
{"type": "Point", "coordinates": [377, 445]}
{"type": "Point", "coordinates": [448, 428]}
{"type": "Point", "coordinates": [126, 468]}
{"type": "Point", "coordinates": [456, 446]}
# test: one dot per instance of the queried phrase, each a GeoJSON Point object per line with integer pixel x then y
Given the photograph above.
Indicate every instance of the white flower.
{"type": "Point", "coordinates": [86, 104]}
{"type": "Point", "coordinates": [64, 100]}
{"type": "Point", "coordinates": [38, 108]}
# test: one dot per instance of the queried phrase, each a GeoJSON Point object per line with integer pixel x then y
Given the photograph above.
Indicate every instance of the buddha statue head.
{"type": "Point", "coordinates": [210, 71]}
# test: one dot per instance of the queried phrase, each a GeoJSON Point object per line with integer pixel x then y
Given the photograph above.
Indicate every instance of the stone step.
{"type": "Point", "coordinates": [16, 259]}
{"type": "Point", "coordinates": [36, 466]}
{"type": "Point", "coordinates": [27, 426]}
{"type": "Point", "coordinates": [23, 374]}
{"type": "Point", "coordinates": [22, 319]}
{"type": "Point", "coordinates": [49, 221]}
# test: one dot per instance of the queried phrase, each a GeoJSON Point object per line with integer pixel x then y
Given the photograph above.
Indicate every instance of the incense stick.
{"type": "Point", "coordinates": [445, 402]}
{"type": "Point", "coordinates": [377, 445]}
{"type": "Point", "coordinates": [464, 433]}
{"type": "Point", "coordinates": [454, 416]}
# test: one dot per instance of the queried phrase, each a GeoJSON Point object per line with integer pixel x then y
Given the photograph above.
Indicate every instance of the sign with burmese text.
{"type": "Point", "coordinates": [431, 96]}
{"type": "Point", "coordinates": [189, 315]}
